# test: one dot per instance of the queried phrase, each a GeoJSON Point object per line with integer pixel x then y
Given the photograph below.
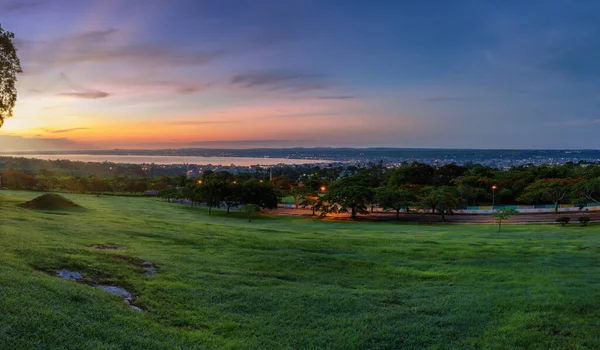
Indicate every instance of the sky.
{"type": "Point", "coordinates": [103, 74]}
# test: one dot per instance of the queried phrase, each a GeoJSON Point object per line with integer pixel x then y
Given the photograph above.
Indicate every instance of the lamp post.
{"type": "Point", "coordinates": [494, 196]}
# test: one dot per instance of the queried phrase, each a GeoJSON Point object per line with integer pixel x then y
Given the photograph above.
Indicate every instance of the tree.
{"type": "Point", "coordinates": [339, 200]}
{"type": "Point", "coordinates": [585, 191]}
{"type": "Point", "coordinates": [308, 198]}
{"type": "Point", "coordinates": [471, 188]}
{"type": "Point", "coordinates": [503, 214]}
{"type": "Point", "coordinates": [551, 190]}
{"type": "Point", "coordinates": [168, 193]}
{"type": "Point", "coordinates": [189, 192]}
{"type": "Point", "coordinates": [230, 193]}
{"type": "Point", "coordinates": [210, 193]}
{"type": "Point", "coordinates": [396, 199]}
{"type": "Point", "coordinates": [297, 192]}
{"type": "Point", "coordinates": [448, 172]}
{"type": "Point", "coordinates": [10, 66]}
{"type": "Point", "coordinates": [250, 208]}
{"type": "Point", "coordinates": [444, 199]}
{"type": "Point", "coordinates": [417, 173]}
{"type": "Point", "coordinates": [263, 195]}
{"type": "Point", "coordinates": [16, 180]}
{"type": "Point", "coordinates": [352, 192]}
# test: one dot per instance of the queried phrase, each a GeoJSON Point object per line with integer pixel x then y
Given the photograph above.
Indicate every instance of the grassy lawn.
{"type": "Point", "coordinates": [290, 282]}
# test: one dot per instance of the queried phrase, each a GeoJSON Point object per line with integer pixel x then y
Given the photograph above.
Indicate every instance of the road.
{"type": "Point", "coordinates": [457, 218]}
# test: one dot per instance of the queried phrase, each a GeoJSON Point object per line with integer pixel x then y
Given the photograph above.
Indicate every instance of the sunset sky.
{"type": "Point", "coordinates": [280, 73]}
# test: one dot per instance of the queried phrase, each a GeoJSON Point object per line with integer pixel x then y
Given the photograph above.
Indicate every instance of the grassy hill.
{"type": "Point", "coordinates": [288, 282]}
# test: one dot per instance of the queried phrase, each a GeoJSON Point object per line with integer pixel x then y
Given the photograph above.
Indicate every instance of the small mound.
{"type": "Point", "coordinates": [50, 201]}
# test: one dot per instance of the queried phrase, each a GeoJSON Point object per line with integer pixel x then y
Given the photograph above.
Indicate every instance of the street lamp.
{"type": "Point", "coordinates": [494, 195]}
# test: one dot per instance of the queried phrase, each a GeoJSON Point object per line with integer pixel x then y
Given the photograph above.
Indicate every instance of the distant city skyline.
{"type": "Point", "coordinates": [153, 74]}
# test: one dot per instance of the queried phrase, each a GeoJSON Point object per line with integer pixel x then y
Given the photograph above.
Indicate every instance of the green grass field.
{"type": "Point", "coordinates": [279, 283]}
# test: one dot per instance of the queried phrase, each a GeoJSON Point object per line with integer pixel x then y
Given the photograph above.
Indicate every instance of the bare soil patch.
{"type": "Point", "coordinates": [50, 201]}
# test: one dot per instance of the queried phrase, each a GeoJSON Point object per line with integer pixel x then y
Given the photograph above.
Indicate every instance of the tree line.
{"type": "Point", "coordinates": [353, 189]}
{"type": "Point", "coordinates": [223, 190]}
{"type": "Point", "coordinates": [441, 190]}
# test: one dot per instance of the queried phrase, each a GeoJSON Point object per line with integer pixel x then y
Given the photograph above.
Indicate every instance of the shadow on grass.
{"type": "Point", "coordinates": [233, 214]}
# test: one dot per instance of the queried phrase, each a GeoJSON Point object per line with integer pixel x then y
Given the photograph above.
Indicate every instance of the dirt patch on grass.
{"type": "Point", "coordinates": [76, 276]}
{"type": "Point", "coordinates": [50, 201]}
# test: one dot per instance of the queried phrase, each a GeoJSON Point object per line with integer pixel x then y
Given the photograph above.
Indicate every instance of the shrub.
{"type": "Point", "coordinates": [563, 220]}
{"type": "Point", "coordinates": [584, 220]}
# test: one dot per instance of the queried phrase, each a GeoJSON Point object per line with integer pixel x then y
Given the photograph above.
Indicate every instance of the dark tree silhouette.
{"type": "Point", "coordinates": [10, 66]}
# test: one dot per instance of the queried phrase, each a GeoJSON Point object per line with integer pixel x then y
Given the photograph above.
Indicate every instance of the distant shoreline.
{"type": "Point", "coordinates": [166, 160]}
{"type": "Point", "coordinates": [271, 156]}
{"type": "Point", "coordinates": [170, 151]}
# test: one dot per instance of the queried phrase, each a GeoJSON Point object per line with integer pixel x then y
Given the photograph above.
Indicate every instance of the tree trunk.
{"type": "Point", "coordinates": [353, 213]}
{"type": "Point", "coordinates": [209, 210]}
{"type": "Point", "coordinates": [296, 202]}
{"type": "Point", "coordinates": [443, 212]}
{"type": "Point", "coordinates": [228, 206]}
{"type": "Point", "coordinates": [499, 224]}
{"type": "Point", "coordinates": [556, 207]}
{"type": "Point", "coordinates": [397, 214]}
{"type": "Point", "coordinates": [249, 218]}
{"type": "Point", "coordinates": [313, 209]}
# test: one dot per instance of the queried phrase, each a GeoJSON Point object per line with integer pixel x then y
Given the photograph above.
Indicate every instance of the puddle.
{"type": "Point", "coordinates": [121, 292]}
{"type": "Point", "coordinates": [69, 275]}
{"type": "Point", "coordinates": [149, 268]}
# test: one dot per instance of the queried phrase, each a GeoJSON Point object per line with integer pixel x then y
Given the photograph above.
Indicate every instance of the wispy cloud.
{"type": "Point", "coordinates": [253, 119]}
{"type": "Point", "coordinates": [201, 122]}
{"type": "Point", "coordinates": [338, 97]}
{"type": "Point", "coordinates": [100, 46]}
{"type": "Point", "coordinates": [279, 80]}
{"type": "Point", "coordinates": [12, 143]}
{"type": "Point", "coordinates": [17, 6]}
{"type": "Point", "coordinates": [81, 92]}
{"type": "Point", "coordinates": [261, 79]}
{"type": "Point", "coordinates": [179, 87]}
{"type": "Point", "coordinates": [60, 131]}
{"type": "Point", "coordinates": [90, 95]}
